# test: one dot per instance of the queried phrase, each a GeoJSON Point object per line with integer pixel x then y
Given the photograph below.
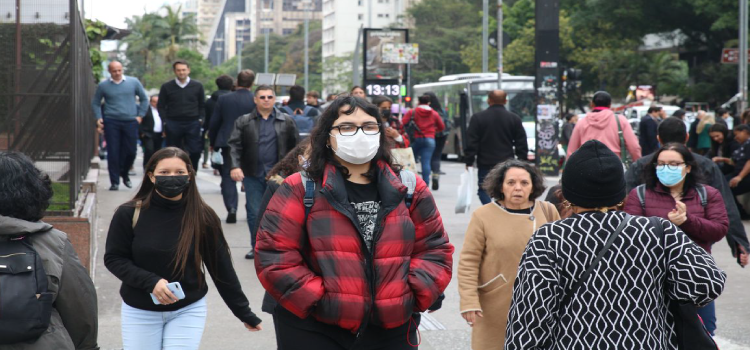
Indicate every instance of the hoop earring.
{"type": "Point", "coordinates": [567, 204]}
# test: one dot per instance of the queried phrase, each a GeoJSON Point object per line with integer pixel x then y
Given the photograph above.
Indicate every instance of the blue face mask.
{"type": "Point", "coordinates": [670, 177]}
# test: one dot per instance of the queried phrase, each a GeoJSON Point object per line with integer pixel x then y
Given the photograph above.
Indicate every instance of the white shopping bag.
{"type": "Point", "coordinates": [217, 158]}
{"type": "Point", "coordinates": [466, 191]}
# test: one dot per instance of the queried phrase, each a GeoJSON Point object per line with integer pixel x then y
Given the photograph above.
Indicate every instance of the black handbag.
{"type": "Point", "coordinates": [691, 333]}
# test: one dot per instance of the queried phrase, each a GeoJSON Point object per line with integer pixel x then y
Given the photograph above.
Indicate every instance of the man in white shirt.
{"type": "Point", "coordinates": [151, 131]}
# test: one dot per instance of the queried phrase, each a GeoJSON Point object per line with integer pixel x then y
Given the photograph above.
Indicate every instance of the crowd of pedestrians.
{"type": "Point", "coordinates": [350, 246]}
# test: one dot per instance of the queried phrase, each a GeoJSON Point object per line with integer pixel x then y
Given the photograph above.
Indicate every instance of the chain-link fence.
{"type": "Point", "coordinates": [46, 86]}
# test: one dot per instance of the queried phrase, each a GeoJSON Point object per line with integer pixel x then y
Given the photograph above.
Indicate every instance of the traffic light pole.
{"type": "Point", "coordinates": [485, 36]}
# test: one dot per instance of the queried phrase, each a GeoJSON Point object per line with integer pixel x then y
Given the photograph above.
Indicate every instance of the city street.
{"type": "Point", "coordinates": [442, 330]}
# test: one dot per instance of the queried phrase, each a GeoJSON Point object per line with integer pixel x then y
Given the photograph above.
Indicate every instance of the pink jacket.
{"type": "Point", "coordinates": [600, 125]}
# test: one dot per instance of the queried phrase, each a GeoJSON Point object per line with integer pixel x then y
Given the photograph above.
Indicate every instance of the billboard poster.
{"type": "Point", "coordinates": [375, 67]}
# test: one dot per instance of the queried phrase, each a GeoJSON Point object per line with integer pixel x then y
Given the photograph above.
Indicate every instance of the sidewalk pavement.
{"type": "Point", "coordinates": [442, 330]}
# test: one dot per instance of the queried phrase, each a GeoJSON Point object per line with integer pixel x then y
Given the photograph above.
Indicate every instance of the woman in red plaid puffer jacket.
{"type": "Point", "coordinates": [358, 271]}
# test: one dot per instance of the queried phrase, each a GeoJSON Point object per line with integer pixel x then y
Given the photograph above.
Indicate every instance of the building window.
{"type": "Point", "coordinates": [360, 17]}
{"type": "Point", "coordinates": [387, 15]}
{"type": "Point", "coordinates": [286, 31]}
{"type": "Point", "coordinates": [359, 2]}
{"type": "Point", "coordinates": [380, 15]}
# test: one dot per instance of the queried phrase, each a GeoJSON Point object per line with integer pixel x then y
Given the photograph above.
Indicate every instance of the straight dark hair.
{"type": "Point", "coordinates": [322, 154]}
{"type": "Point", "coordinates": [174, 65]}
{"type": "Point", "coordinates": [691, 179]}
{"type": "Point", "coordinates": [200, 228]}
{"type": "Point", "coordinates": [435, 102]}
{"type": "Point", "coordinates": [724, 146]}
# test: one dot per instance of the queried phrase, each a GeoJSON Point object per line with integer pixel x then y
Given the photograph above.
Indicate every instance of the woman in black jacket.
{"type": "Point", "coordinates": [723, 145]}
{"type": "Point", "coordinates": [166, 234]}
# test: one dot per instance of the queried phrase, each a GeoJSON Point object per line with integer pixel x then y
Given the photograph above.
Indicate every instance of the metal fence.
{"type": "Point", "coordinates": [46, 86]}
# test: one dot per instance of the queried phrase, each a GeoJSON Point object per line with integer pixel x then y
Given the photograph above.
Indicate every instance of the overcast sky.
{"type": "Point", "coordinates": [114, 12]}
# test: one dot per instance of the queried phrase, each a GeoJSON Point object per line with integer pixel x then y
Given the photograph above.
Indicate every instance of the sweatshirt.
{"type": "Point", "coordinates": [600, 125]}
{"type": "Point", "coordinates": [143, 255]}
{"type": "Point", "coordinates": [119, 100]}
{"type": "Point", "coordinates": [428, 121]}
{"type": "Point", "coordinates": [182, 104]}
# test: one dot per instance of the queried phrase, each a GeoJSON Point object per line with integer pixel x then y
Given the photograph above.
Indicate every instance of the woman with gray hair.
{"type": "Point", "coordinates": [496, 237]}
{"type": "Point", "coordinates": [602, 279]}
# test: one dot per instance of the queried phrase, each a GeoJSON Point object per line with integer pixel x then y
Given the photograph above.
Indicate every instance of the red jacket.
{"type": "Point", "coordinates": [428, 121]}
{"type": "Point", "coordinates": [705, 226]}
{"type": "Point", "coordinates": [325, 270]}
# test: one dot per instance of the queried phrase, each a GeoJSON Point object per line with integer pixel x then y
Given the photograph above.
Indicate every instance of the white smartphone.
{"type": "Point", "coordinates": [176, 289]}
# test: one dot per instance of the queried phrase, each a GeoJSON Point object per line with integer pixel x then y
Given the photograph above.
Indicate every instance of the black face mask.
{"type": "Point", "coordinates": [172, 186]}
{"type": "Point", "coordinates": [385, 113]}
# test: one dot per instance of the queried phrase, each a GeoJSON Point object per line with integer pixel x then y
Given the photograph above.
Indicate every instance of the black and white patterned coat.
{"type": "Point", "coordinates": [622, 305]}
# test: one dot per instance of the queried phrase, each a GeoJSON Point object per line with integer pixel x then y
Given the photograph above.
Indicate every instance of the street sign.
{"type": "Point", "coordinates": [401, 53]}
{"type": "Point", "coordinates": [492, 39]}
{"type": "Point", "coordinates": [732, 56]}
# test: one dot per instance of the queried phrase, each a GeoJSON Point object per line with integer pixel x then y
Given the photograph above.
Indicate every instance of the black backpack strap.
{"type": "Point", "coordinates": [573, 290]}
{"type": "Point", "coordinates": [309, 193]}
{"type": "Point", "coordinates": [641, 191]}
{"type": "Point", "coordinates": [702, 195]}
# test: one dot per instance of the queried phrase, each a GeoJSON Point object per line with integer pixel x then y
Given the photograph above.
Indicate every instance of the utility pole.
{"type": "Point", "coordinates": [307, 4]}
{"type": "Point", "coordinates": [369, 13]}
{"type": "Point", "coordinates": [485, 36]}
{"type": "Point", "coordinates": [499, 44]}
{"type": "Point", "coordinates": [742, 79]}
{"type": "Point", "coordinates": [266, 55]}
{"type": "Point", "coordinates": [239, 55]}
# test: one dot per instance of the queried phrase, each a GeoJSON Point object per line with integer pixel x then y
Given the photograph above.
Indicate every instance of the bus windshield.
{"type": "Point", "coordinates": [520, 98]}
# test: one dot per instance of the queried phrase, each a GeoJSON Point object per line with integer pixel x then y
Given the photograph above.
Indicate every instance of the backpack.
{"type": "Point", "coordinates": [304, 123]}
{"type": "Point", "coordinates": [25, 302]}
{"type": "Point", "coordinates": [408, 178]}
{"type": "Point", "coordinates": [411, 128]}
{"type": "Point", "coordinates": [641, 191]}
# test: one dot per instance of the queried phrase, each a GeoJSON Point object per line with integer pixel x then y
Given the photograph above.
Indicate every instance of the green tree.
{"type": "Point", "coordinates": [178, 28]}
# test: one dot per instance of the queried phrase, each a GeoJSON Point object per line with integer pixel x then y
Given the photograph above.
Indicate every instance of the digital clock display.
{"type": "Point", "coordinates": [383, 89]}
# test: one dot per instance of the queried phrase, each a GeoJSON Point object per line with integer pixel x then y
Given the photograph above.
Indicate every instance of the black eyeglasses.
{"type": "Point", "coordinates": [351, 129]}
{"type": "Point", "coordinates": [269, 97]}
{"type": "Point", "coordinates": [670, 166]}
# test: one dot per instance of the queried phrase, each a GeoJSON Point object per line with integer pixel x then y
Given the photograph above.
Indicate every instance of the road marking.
{"type": "Point", "coordinates": [429, 323]}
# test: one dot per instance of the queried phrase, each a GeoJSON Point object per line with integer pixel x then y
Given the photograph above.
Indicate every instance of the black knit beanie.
{"type": "Point", "coordinates": [594, 177]}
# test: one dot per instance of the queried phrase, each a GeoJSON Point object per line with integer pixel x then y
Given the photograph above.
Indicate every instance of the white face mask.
{"type": "Point", "coordinates": [357, 149]}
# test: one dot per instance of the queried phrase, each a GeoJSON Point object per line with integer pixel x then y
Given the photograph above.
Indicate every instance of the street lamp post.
{"type": "Point", "coordinates": [239, 55]}
{"type": "Point", "coordinates": [742, 71]}
{"type": "Point", "coordinates": [499, 44]}
{"type": "Point", "coordinates": [306, 4]}
{"type": "Point", "coordinates": [485, 25]}
{"type": "Point", "coordinates": [266, 15]}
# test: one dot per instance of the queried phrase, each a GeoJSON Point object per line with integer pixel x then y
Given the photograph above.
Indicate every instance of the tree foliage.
{"type": "Point", "coordinates": [603, 38]}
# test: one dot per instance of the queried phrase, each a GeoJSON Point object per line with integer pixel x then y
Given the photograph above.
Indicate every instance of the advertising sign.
{"type": "Point", "coordinates": [375, 67]}
{"type": "Point", "coordinates": [401, 53]}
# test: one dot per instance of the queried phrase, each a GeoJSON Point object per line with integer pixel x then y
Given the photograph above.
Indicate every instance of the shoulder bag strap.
{"type": "Point", "coordinates": [545, 211]}
{"type": "Point", "coordinates": [623, 146]}
{"type": "Point", "coordinates": [573, 290]}
{"type": "Point", "coordinates": [137, 212]}
{"type": "Point", "coordinates": [309, 193]}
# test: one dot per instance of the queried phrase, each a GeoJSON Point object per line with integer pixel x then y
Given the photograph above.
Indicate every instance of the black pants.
{"type": "Point", "coordinates": [439, 145]}
{"type": "Point", "coordinates": [152, 142]}
{"type": "Point", "coordinates": [294, 333]}
{"type": "Point", "coordinates": [186, 135]}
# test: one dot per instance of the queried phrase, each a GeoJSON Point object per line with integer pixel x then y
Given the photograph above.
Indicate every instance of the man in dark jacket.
{"type": "Point", "coordinates": [151, 131]}
{"type": "Point", "coordinates": [673, 130]}
{"type": "Point", "coordinates": [182, 106]}
{"type": "Point", "coordinates": [228, 108]}
{"type": "Point", "coordinates": [259, 140]}
{"type": "Point", "coordinates": [225, 84]}
{"type": "Point", "coordinates": [647, 130]}
{"type": "Point", "coordinates": [494, 136]}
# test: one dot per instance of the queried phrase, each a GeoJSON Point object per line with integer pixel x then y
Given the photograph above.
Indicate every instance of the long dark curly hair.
{"type": "Point", "coordinates": [322, 154]}
{"type": "Point", "coordinates": [25, 191]}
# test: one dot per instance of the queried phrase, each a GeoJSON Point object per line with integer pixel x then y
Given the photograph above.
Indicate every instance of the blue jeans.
{"type": "Point", "coordinates": [255, 187]}
{"type": "Point", "coordinates": [122, 144]}
{"type": "Point", "coordinates": [708, 314]}
{"type": "Point", "coordinates": [168, 330]}
{"type": "Point", "coordinates": [423, 148]}
{"type": "Point", "coordinates": [484, 197]}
